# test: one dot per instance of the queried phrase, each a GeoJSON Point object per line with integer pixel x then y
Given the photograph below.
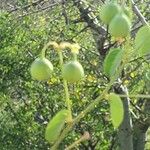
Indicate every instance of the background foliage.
{"type": "Point", "coordinates": [27, 105]}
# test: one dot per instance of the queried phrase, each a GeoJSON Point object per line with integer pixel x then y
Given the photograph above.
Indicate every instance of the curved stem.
{"type": "Point", "coordinates": [68, 101]}
{"type": "Point", "coordinates": [74, 56]}
{"type": "Point", "coordinates": [45, 48]}
{"type": "Point", "coordinates": [44, 51]}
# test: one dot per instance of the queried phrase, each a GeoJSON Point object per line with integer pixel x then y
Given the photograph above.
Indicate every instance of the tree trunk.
{"type": "Point", "coordinates": [141, 127]}
{"type": "Point", "coordinates": [139, 136]}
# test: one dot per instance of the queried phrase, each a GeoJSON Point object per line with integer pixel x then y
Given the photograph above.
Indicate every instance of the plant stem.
{"type": "Point", "coordinates": [87, 109]}
{"type": "Point", "coordinates": [44, 50]}
{"type": "Point", "coordinates": [94, 103]}
{"type": "Point", "coordinates": [62, 136]}
{"type": "Point", "coordinates": [74, 56]}
{"type": "Point", "coordinates": [136, 96]}
{"type": "Point", "coordinates": [68, 101]}
{"type": "Point", "coordinates": [97, 100]}
{"type": "Point", "coordinates": [75, 143]}
{"type": "Point", "coordinates": [50, 43]}
{"type": "Point", "coordinates": [138, 13]}
{"type": "Point", "coordinates": [90, 107]}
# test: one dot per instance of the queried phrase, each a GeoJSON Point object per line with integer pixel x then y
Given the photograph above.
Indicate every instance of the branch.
{"type": "Point", "coordinates": [27, 6]}
{"type": "Point", "coordinates": [89, 17]}
{"type": "Point", "coordinates": [98, 31]}
{"type": "Point", "coordinates": [85, 137]}
{"type": "Point", "coordinates": [89, 108]}
{"type": "Point", "coordinates": [138, 13]}
{"type": "Point", "coordinates": [141, 127]}
{"type": "Point", "coordinates": [42, 9]}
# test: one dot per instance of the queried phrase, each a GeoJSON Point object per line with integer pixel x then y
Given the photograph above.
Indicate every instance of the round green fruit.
{"type": "Point", "coordinates": [41, 69]}
{"type": "Point", "coordinates": [120, 26]}
{"type": "Point", "coordinates": [73, 71]}
{"type": "Point", "coordinates": [108, 11]}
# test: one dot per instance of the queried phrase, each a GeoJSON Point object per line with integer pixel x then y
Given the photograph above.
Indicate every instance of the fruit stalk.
{"type": "Point", "coordinates": [74, 56]}
{"type": "Point", "coordinates": [44, 50]}
{"type": "Point", "coordinates": [50, 43]}
{"type": "Point", "coordinates": [68, 101]}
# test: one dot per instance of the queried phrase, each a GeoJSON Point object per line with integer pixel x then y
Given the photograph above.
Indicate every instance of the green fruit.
{"type": "Point", "coordinates": [73, 71]}
{"type": "Point", "coordinates": [142, 40]}
{"type": "Point", "coordinates": [55, 126]}
{"type": "Point", "coordinates": [41, 69]}
{"type": "Point", "coordinates": [108, 11]}
{"type": "Point", "coordinates": [120, 26]}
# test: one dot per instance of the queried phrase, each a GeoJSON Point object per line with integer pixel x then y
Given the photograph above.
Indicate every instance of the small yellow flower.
{"type": "Point", "coordinates": [126, 82]}
{"type": "Point", "coordinates": [75, 48]}
{"type": "Point", "coordinates": [132, 75]}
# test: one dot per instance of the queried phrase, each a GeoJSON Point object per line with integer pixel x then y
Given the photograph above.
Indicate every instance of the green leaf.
{"type": "Point", "coordinates": [116, 109]}
{"type": "Point", "coordinates": [142, 40]}
{"type": "Point", "coordinates": [55, 126]}
{"type": "Point", "coordinates": [112, 61]}
{"type": "Point", "coordinates": [148, 75]}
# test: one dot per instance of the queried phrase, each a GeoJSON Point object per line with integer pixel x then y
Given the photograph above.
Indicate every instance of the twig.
{"type": "Point", "coordinates": [27, 6]}
{"type": "Point", "coordinates": [138, 13]}
{"type": "Point", "coordinates": [44, 8]}
{"type": "Point", "coordinates": [136, 96]}
{"type": "Point", "coordinates": [86, 136]}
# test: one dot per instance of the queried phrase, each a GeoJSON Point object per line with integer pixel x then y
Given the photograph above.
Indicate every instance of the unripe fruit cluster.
{"type": "Point", "coordinates": [117, 18]}
{"type": "Point", "coordinates": [41, 69]}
